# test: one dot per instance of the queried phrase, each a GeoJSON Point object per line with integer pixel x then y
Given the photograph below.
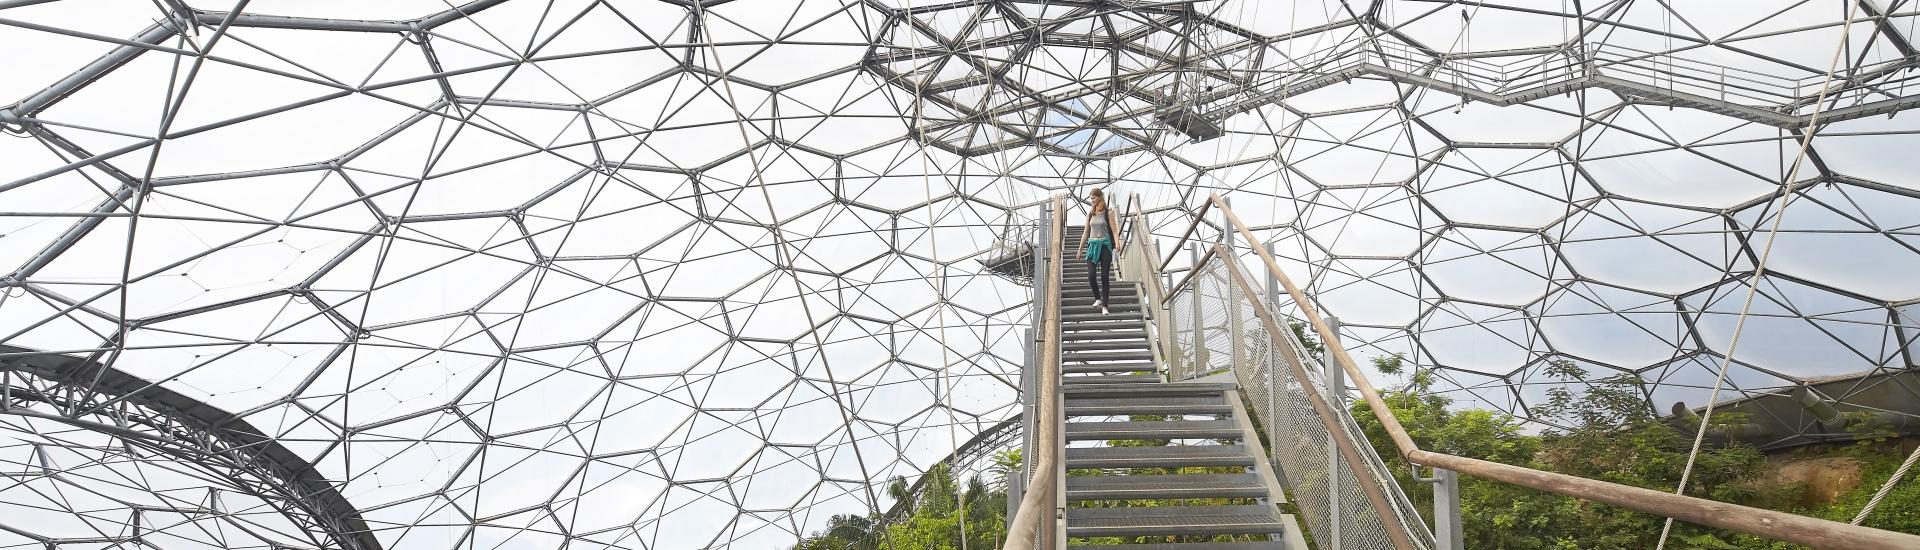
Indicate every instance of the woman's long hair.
{"type": "Point", "coordinates": [1099, 203]}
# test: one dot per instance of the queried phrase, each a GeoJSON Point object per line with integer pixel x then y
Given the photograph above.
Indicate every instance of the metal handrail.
{"type": "Point", "coordinates": [1034, 526]}
{"type": "Point", "coordinates": [1794, 528]}
{"type": "Point", "coordinates": [1197, 217]}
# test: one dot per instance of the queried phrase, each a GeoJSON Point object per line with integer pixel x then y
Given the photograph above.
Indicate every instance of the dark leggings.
{"type": "Point", "coordinates": [1097, 275]}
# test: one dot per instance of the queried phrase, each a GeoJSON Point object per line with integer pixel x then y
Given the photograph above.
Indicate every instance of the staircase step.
{"type": "Point", "coordinates": [1275, 545]}
{"type": "Point", "coordinates": [1127, 487]}
{"type": "Point", "coordinates": [1096, 368]}
{"type": "Point", "coordinates": [1081, 336]}
{"type": "Point", "coordinates": [1100, 325]}
{"type": "Point", "coordinates": [1127, 405]}
{"type": "Point", "coordinates": [1090, 308]}
{"type": "Point", "coordinates": [1116, 299]}
{"type": "Point", "coordinates": [1084, 356]}
{"type": "Point", "coordinates": [1158, 390]}
{"type": "Point", "coordinates": [1170, 456]}
{"type": "Point", "coordinates": [1087, 300]}
{"type": "Point", "coordinates": [1173, 429]}
{"type": "Point", "coordinates": [1173, 520]}
{"type": "Point", "coordinates": [1070, 381]}
{"type": "Point", "coordinates": [1118, 291]}
{"type": "Point", "coordinates": [1107, 345]}
{"type": "Point", "coordinates": [1115, 316]}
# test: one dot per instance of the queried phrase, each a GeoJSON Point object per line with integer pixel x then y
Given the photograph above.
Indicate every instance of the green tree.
{"type": "Point", "coordinates": [1601, 429]}
{"type": "Point", "coordinates": [932, 518]}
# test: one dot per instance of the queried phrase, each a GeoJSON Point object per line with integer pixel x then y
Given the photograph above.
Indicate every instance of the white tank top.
{"type": "Point", "coordinates": [1097, 227]}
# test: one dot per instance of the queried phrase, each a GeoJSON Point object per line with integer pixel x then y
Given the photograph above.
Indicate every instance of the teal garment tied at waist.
{"type": "Point", "coordinates": [1098, 248]}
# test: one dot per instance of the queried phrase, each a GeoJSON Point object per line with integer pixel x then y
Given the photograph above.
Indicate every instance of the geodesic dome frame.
{"type": "Point", "coordinates": [529, 272]}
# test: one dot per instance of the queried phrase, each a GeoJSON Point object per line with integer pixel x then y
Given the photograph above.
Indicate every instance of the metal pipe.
{"type": "Point", "coordinates": [1197, 217]}
{"type": "Point", "coordinates": [1794, 528]}
{"type": "Point", "coordinates": [1829, 417]}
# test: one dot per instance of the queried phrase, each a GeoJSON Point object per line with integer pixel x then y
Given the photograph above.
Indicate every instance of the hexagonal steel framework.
{"type": "Point", "coordinates": [683, 274]}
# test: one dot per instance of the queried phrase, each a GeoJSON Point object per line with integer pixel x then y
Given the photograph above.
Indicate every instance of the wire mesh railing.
{"type": "Point", "coordinates": [1218, 328]}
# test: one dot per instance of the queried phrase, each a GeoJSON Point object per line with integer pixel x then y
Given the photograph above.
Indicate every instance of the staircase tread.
{"type": "Point", "coordinates": [1166, 454]}
{"type": "Point", "coordinates": [1170, 485]}
{"type": "Point", "coordinates": [1108, 335]}
{"type": "Point", "coordinates": [1124, 405]}
{"type": "Point", "coordinates": [1098, 368]}
{"type": "Point", "coordinates": [1178, 429]}
{"type": "Point", "coordinates": [1163, 389]}
{"type": "Point", "coordinates": [1098, 355]}
{"type": "Point", "coordinates": [1174, 400]}
{"type": "Point", "coordinates": [1073, 381]}
{"type": "Point", "coordinates": [1273, 545]}
{"type": "Point", "coordinates": [1089, 307]}
{"type": "Point", "coordinates": [1153, 520]}
{"type": "Point", "coordinates": [1121, 344]}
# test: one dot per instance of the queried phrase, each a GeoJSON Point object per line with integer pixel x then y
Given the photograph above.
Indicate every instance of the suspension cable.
{"type": "Point", "coordinates": [943, 378]}
{"type": "Point", "coordinates": [1887, 487]}
{"type": "Point", "coordinates": [1760, 267]}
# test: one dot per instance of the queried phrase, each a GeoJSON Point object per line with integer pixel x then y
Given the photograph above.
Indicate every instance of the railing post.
{"type": "Point", "coordinates": [1273, 283]}
{"type": "Point", "coordinates": [1226, 231]}
{"type": "Point", "coordinates": [1336, 388]}
{"type": "Point", "coordinates": [1230, 304]}
{"type": "Point", "coordinates": [1017, 481]}
{"type": "Point", "coordinates": [1200, 353]}
{"type": "Point", "coordinates": [1446, 511]}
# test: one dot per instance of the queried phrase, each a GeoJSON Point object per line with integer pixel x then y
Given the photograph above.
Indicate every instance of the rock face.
{"type": "Point", "coordinates": [1826, 478]}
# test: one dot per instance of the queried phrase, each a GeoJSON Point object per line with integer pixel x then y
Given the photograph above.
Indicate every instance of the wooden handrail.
{"type": "Point", "coordinates": [1794, 528]}
{"type": "Point", "coordinates": [1038, 504]}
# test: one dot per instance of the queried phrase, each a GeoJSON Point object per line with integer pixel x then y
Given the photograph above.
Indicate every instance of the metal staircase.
{"type": "Point", "coordinates": [1157, 465]}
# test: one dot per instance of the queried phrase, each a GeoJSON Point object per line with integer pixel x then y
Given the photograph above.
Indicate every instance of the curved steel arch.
{"type": "Point", "coordinates": [166, 421]}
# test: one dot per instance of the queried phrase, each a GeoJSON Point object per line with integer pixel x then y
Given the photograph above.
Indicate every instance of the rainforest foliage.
{"type": "Point", "coordinates": [1605, 429]}
{"type": "Point", "coordinates": [933, 518]}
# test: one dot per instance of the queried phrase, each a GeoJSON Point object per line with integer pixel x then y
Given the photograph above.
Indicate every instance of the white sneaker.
{"type": "Point", "coordinates": [1103, 309]}
{"type": "Point", "coordinates": [1099, 303]}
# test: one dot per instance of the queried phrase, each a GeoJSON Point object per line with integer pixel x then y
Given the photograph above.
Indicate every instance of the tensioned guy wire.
{"type": "Point", "coordinates": [1760, 267]}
